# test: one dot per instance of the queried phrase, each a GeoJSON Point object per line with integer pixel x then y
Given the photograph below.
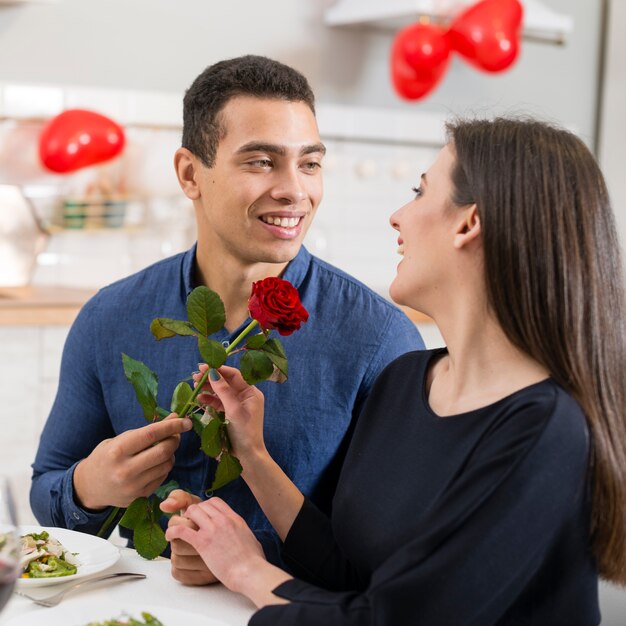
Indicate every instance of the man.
{"type": "Point", "coordinates": [250, 162]}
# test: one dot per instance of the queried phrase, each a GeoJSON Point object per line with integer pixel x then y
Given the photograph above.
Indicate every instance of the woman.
{"type": "Point", "coordinates": [485, 483]}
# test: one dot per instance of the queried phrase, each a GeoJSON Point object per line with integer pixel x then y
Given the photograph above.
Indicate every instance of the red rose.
{"type": "Point", "coordinates": [275, 305]}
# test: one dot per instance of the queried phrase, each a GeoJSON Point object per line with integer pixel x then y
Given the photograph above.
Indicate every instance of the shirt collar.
{"type": "Point", "coordinates": [295, 272]}
{"type": "Point", "coordinates": [189, 271]}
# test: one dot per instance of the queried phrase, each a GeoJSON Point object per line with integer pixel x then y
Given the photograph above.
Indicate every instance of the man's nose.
{"type": "Point", "coordinates": [289, 187]}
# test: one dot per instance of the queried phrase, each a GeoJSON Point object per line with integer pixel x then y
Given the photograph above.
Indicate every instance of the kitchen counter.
{"type": "Point", "coordinates": [58, 306]}
{"type": "Point", "coordinates": [41, 306]}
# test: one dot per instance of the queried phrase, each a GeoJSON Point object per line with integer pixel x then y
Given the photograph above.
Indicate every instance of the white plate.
{"type": "Point", "coordinates": [80, 613]}
{"type": "Point", "coordinates": [94, 553]}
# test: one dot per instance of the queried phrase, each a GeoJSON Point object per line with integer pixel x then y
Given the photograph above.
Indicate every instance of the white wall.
{"type": "Point", "coordinates": [162, 45]}
{"type": "Point", "coordinates": [612, 151]}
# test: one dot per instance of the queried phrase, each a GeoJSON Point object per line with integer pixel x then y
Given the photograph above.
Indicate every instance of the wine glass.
{"type": "Point", "coordinates": [9, 543]}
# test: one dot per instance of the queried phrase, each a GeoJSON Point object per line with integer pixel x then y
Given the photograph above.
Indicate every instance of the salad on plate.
{"type": "Point", "coordinates": [43, 556]}
{"type": "Point", "coordinates": [150, 620]}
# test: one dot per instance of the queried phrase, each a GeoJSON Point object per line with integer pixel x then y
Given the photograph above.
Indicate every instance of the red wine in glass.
{"type": "Point", "coordinates": [8, 574]}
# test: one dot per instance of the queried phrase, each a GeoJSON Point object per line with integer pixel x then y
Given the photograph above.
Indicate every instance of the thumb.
{"type": "Point", "coordinates": [178, 500]}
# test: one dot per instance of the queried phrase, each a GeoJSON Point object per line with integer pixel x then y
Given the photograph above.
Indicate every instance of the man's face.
{"type": "Point", "coordinates": [257, 201]}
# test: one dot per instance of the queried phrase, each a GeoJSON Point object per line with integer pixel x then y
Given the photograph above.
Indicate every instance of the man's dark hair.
{"type": "Point", "coordinates": [248, 75]}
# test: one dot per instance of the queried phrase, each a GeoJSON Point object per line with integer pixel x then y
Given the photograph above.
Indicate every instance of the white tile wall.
{"type": "Point", "coordinates": [29, 371]}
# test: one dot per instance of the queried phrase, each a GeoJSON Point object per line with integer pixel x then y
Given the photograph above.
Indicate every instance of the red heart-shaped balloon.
{"type": "Point", "coordinates": [487, 34]}
{"type": "Point", "coordinates": [77, 138]}
{"type": "Point", "coordinates": [419, 58]}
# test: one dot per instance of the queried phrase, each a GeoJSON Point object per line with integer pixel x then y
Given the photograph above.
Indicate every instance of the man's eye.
{"type": "Point", "coordinates": [313, 165]}
{"type": "Point", "coordinates": [417, 191]}
{"type": "Point", "coordinates": [261, 163]}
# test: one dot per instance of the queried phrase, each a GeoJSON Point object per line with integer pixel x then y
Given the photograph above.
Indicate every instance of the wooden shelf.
{"type": "Point", "coordinates": [41, 306]}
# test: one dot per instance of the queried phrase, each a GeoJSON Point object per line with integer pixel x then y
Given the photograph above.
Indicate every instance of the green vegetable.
{"type": "Point", "coordinates": [150, 620]}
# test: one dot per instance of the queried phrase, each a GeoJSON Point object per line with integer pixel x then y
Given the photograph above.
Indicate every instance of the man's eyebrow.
{"type": "Point", "coordinates": [261, 146]}
{"type": "Point", "coordinates": [316, 147]}
{"type": "Point", "coordinates": [272, 148]}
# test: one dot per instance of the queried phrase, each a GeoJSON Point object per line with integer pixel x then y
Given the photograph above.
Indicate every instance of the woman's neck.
{"type": "Point", "coordinates": [482, 365]}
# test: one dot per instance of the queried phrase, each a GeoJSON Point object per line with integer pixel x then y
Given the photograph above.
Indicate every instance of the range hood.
{"type": "Point", "coordinates": [540, 22]}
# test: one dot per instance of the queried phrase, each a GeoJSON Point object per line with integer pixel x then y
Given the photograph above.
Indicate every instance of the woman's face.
{"type": "Point", "coordinates": [426, 232]}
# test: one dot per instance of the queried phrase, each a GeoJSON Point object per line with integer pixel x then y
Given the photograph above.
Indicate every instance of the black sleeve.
{"type": "Point", "coordinates": [475, 551]}
{"type": "Point", "coordinates": [311, 553]}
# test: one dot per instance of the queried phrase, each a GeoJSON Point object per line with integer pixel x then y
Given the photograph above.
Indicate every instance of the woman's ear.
{"type": "Point", "coordinates": [186, 165]}
{"type": "Point", "coordinates": [468, 229]}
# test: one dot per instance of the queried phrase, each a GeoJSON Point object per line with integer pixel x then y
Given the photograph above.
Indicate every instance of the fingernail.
{"type": "Point", "coordinates": [214, 374]}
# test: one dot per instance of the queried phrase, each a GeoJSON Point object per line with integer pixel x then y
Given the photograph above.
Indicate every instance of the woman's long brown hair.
{"type": "Point", "coordinates": [555, 282]}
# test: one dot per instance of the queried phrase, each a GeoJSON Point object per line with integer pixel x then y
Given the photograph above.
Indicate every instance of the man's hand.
{"type": "Point", "coordinates": [187, 565]}
{"type": "Point", "coordinates": [129, 466]}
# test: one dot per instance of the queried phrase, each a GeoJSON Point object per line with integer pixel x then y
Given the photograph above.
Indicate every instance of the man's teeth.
{"type": "Point", "coordinates": [401, 249]}
{"type": "Point", "coordinates": [283, 222]}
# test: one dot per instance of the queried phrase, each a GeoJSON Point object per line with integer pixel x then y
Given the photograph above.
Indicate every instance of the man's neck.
{"type": "Point", "coordinates": [232, 279]}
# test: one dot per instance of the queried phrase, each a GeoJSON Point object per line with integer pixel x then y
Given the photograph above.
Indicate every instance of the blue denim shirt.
{"type": "Point", "coordinates": [352, 333]}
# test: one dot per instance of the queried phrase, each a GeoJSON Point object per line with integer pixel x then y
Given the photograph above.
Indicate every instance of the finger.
{"type": "Point", "coordinates": [150, 480]}
{"type": "Point", "coordinates": [203, 576]}
{"type": "Point", "coordinates": [182, 548]}
{"type": "Point", "coordinates": [154, 456]}
{"type": "Point", "coordinates": [219, 506]}
{"type": "Point", "coordinates": [200, 514]}
{"type": "Point", "coordinates": [178, 500]}
{"type": "Point", "coordinates": [181, 532]}
{"type": "Point", "coordinates": [139, 439]}
{"type": "Point", "coordinates": [232, 389]}
{"type": "Point", "coordinates": [187, 562]}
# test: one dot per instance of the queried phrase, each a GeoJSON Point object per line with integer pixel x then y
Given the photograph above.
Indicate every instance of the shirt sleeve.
{"type": "Point", "coordinates": [311, 553]}
{"type": "Point", "coordinates": [397, 337]}
{"type": "Point", "coordinates": [475, 551]}
{"type": "Point", "coordinates": [77, 423]}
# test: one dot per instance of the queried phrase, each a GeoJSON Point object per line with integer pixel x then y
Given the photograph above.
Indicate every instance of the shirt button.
{"type": "Point", "coordinates": [225, 344]}
{"type": "Point", "coordinates": [76, 516]}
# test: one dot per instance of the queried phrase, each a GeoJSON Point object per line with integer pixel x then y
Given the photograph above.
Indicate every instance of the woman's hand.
{"type": "Point", "coordinates": [243, 404]}
{"type": "Point", "coordinates": [223, 540]}
{"type": "Point", "coordinates": [187, 565]}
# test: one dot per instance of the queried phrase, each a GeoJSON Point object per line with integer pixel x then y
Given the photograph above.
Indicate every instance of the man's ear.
{"type": "Point", "coordinates": [186, 165]}
{"type": "Point", "coordinates": [468, 229]}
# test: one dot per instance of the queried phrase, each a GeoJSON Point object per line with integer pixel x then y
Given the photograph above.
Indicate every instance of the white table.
{"type": "Point", "coordinates": [157, 589]}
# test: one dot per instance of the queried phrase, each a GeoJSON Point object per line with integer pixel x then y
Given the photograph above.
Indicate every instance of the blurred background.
{"type": "Point", "coordinates": [64, 234]}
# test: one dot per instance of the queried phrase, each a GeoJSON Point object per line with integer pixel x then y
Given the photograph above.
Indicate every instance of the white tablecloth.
{"type": "Point", "coordinates": [158, 589]}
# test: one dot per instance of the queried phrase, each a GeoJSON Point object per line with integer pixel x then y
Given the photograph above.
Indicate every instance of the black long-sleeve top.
{"type": "Point", "coordinates": [474, 519]}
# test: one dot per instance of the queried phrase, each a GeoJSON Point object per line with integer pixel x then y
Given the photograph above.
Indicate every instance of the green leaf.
{"type": "Point", "coordinates": [198, 424]}
{"type": "Point", "coordinates": [228, 469]}
{"type": "Point", "coordinates": [205, 310]}
{"type": "Point", "coordinates": [164, 490]}
{"type": "Point", "coordinates": [212, 352]}
{"type": "Point", "coordinates": [211, 440]}
{"type": "Point", "coordinates": [256, 341]}
{"type": "Point", "coordinates": [149, 539]}
{"type": "Point", "coordinates": [276, 352]}
{"type": "Point", "coordinates": [255, 366]}
{"type": "Point", "coordinates": [163, 327]}
{"type": "Point", "coordinates": [217, 415]}
{"type": "Point", "coordinates": [162, 412]}
{"type": "Point", "coordinates": [145, 383]}
{"type": "Point", "coordinates": [181, 395]}
{"type": "Point", "coordinates": [138, 510]}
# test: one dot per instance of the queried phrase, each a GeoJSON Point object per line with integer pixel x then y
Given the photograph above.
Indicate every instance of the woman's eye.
{"type": "Point", "coordinates": [417, 191]}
